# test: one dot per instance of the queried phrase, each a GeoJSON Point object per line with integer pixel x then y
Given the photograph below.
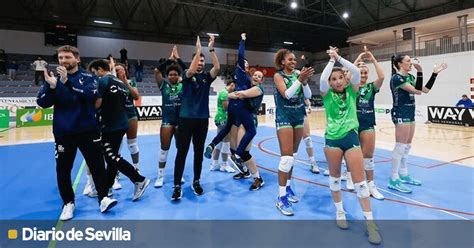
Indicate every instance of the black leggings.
{"type": "Point", "coordinates": [237, 115]}
{"type": "Point", "coordinates": [90, 147]}
{"type": "Point", "coordinates": [195, 129]}
{"type": "Point", "coordinates": [111, 145]}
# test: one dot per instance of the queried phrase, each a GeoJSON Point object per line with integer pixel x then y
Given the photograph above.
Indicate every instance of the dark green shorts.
{"type": "Point", "coordinates": [351, 140]}
{"type": "Point", "coordinates": [404, 115]}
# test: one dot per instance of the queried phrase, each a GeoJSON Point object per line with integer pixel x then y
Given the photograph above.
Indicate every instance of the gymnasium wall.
{"type": "Point", "coordinates": [22, 42]}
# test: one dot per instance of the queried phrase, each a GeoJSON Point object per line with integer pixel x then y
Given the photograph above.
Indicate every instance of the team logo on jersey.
{"type": "Point", "coordinates": [113, 89]}
{"type": "Point", "coordinates": [81, 81]}
{"type": "Point", "coordinates": [60, 148]}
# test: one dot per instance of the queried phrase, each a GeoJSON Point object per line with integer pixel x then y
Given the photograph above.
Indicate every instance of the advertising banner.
{"type": "Point", "coordinates": [451, 115]}
{"type": "Point", "coordinates": [34, 117]}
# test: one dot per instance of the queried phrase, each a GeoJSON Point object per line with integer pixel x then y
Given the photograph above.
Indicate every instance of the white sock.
{"type": "Point", "coordinates": [136, 166]}
{"type": "Point", "coordinates": [339, 206]}
{"type": "Point", "coordinates": [281, 191]}
{"type": "Point", "coordinates": [224, 163]}
{"type": "Point", "coordinates": [161, 171]}
{"type": "Point", "coordinates": [288, 182]}
{"type": "Point", "coordinates": [312, 159]}
{"type": "Point", "coordinates": [256, 175]}
{"type": "Point", "coordinates": [368, 215]}
{"type": "Point", "coordinates": [397, 154]}
{"type": "Point", "coordinates": [215, 162]}
{"type": "Point", "coordinates": [403, 161]}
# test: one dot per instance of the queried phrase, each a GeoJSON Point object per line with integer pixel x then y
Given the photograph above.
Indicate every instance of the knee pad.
{"type": "Point", "coordinates": [163, 156]}
{"type": "Point", "coordinates": [219, 146]}
{"type": "Point", "coordinates": [334, 183]}
{"type": "Point", "coordinates": [246, 156]}
{"type": "Point", "coordinates": [225, 147]}
{"type": "Point", "coordinates": [398, 151]}
{"type": "Point", "coordinates": [369, 163]}
{"type": "Point", "coordinates": [286, 162]}
{"type": "Point", "coordinates": [362, 189]}
{"type": "Point", "coordinates": [132, 146]}
{"type": "Point", "coordinates": [308, 142]}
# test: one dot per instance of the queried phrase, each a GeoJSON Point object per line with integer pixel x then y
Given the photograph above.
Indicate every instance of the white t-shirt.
{"type": "Point", "coordinates": [40, 65]}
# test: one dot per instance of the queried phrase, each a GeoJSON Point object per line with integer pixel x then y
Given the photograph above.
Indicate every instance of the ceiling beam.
{"type": "Point", "coordinates": [362, 4]}
{"type": "Point", "coordinates": [248, 13]}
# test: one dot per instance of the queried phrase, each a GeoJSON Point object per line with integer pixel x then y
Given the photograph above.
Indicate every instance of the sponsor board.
{"type": "Point", "coordinates": [34, 117]}
{"type": "Point", "coordinates": [384, 112]}
{"type": "Point", "coordinates": [4, 118]}
{"type": "Point", "coordinates": [451, 115]}
{"type": "Point", "coordinates": [146, 113]}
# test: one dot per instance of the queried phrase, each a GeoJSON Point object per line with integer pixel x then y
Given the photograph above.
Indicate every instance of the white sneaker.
{"type": "Point", "coordinates": [116, 185]}
{"type": "Point", "coordinates": [226, 168]}
{"type": "Point", "coordinates": [326, 172]}
{"type": "Point", "coordinates": [344, 175]}
{"type": "Point", "coordinates": [159, 181]}
{"type": "Point", "coordinates": [374, 191]}
{"type": "Point", "coordinates": [182, 180]}
{"type": "Point", "coordinates": [93, 191]}
{"type": "Point", "coordinates": [140, 189]}
{"type": "Point", "coordinates": [315, 168]}
{"type": "Point", "coordinates": [341, 221]}
{"type": "Point", "coordinates": [106, 204]}
{"type": "Point", "coordinates": [349, 183]}
{"type": "Point", "coordinates": [68, 212]}
{"type": "Point", "coordinates": [88, 187]}
{"type": "Point", "coordinates": [215, 167]}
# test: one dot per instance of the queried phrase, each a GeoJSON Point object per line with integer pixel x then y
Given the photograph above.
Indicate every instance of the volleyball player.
{"type": "Point", "coordinates": [342, 140]}
{"type": "Point", "coordinates": [291, 88]}
{"type": "Point", "coordinates": [404, 88]}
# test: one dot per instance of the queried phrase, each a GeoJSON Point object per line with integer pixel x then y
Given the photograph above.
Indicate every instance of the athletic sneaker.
{"type": "Point", "coordinates": [177, 193]}
{"type": "Point", "coordinates": [344, 175]}
{"type": "Point", "coordinates": [68, 212]}
{"type": "Point", "coordinates": [315, 168]}
{"type": "Point", "coordinates": [88, 187]}
{"type": "Point", "coordinates": [284, 206]}
{"type": "Point", "coordinates": [398, 186]}
{"type": "Point", "coordinates": [257, 184]}
{"type": "Point", "coordinates": [215, 167]}
{"type": "Point", "coordinates": [197, 188]}
{"type": "Point", "coordinates": [140, 189]}
{"type": "Point", "coordinates": [226, 168]}
{"type": "Point", "coordinates": [116, 185]}
{"type": "Point", "coordinates": [241, 175]}
{"type": "Point", "coordinates": [373, 233]}
{"type": "Point", "coordinates": [209, 150]}
{"type": "Point", "coordinates": [239, 164]}
{"type": "Point", "coordinates": [106, 204]}
{"type": "Point", "coordinates": [349, 183]}
{"type": "Point", "coordinates": [326, 172]}
{"type": "Point", "coordinates": [159, 181]}
{"type": "Point", "coordinates": [341, 221]}
{"type": "Point", "coordinates": [374, 191]}
{"type": "Point", "coordinates": [291, 195]}
{"type": "Point", "coordinates": [410, 180]}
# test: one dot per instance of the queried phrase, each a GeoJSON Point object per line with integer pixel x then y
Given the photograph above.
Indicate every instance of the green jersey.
{"type": "Point", "coordinates": [341, 114]}
{"type": "Point", "coordinates": [401, 97]}
{"type": "Point", "coordinates": [221, 115]}
{"type": "Point", "coordinates": [365, 104]}
{"type": "Point", "coordinates": [293, 108]}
